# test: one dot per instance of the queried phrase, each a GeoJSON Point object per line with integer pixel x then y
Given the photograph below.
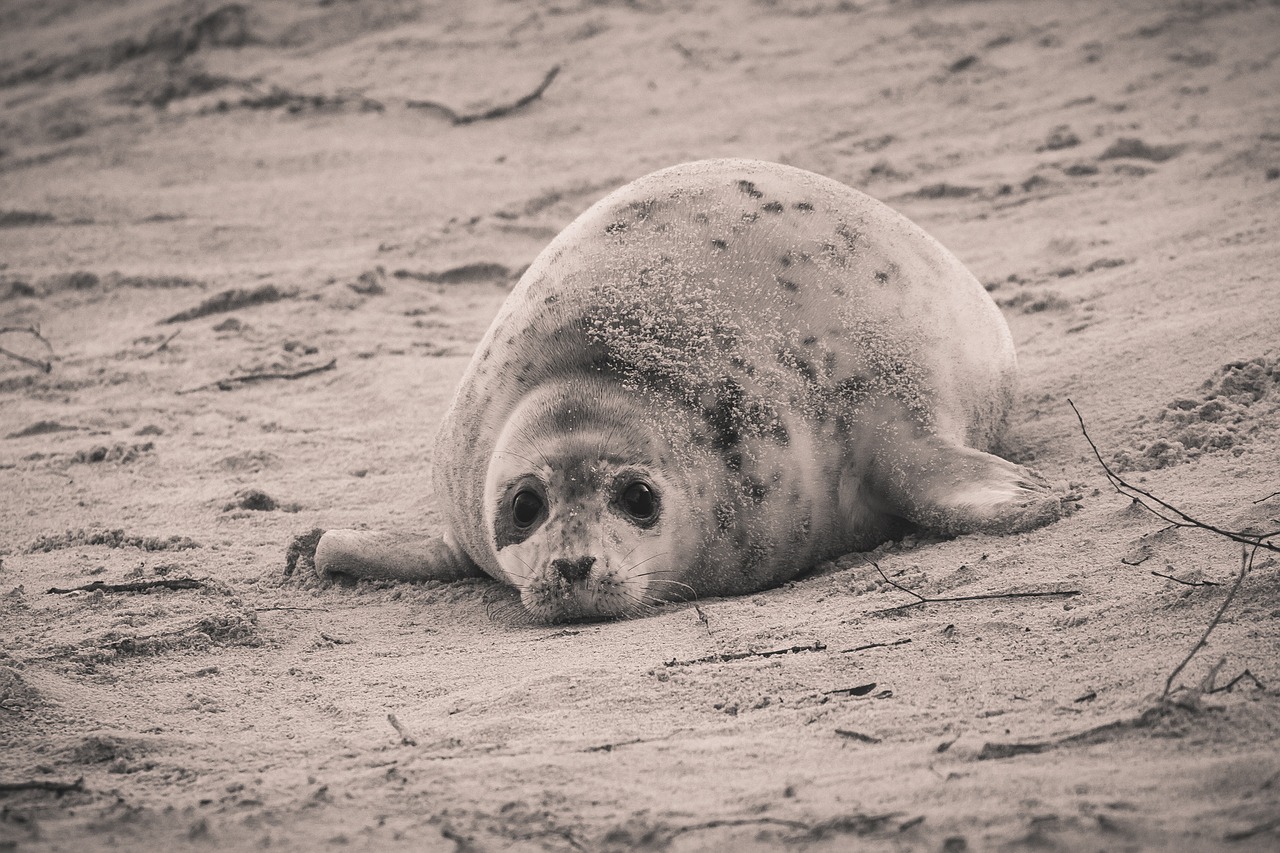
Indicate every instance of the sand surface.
{"type": "Point", "coordinates": [1110, 171]}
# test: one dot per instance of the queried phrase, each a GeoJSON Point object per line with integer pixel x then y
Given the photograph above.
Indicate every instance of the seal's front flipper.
{"type": "Point", "coordinates": [392, 556]}
{"type": "Point", "coordinates": [952, 489]}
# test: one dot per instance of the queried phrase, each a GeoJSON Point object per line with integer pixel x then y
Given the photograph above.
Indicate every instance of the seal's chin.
{"type": "Point", "coordinates": [601, 595]}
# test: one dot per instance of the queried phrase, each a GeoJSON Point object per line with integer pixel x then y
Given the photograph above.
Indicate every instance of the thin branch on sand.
{"type": "Point", "coordinates": [43, 785]}
{"type": "Point", "coordinates": [817, 646]}
{"type": "Point", "coordinates": [922, 600]}
{"type": "Point", "coordinates": [458, 118]}
{"type": "Point", "coordinates": [1166, 511]}
{"type": "Point", "coordinates": [163, 345]}
{"type": "Point", "coordinates": [45, 366]}
{"type": "Point", "coordinates": [1246, 564]}
{"type": "Point", "coordinates": [1180, 580]}
{"type": "Point", "coordinates": [230, 382]}
{"type": "Point", "coordinates": [136, 586]}
{"type": "Point", "coordinates": [405, 737]}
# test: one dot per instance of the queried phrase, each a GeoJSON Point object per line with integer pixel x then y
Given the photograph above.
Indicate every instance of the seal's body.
{"type": "Point", "coordinates": [717, 376]}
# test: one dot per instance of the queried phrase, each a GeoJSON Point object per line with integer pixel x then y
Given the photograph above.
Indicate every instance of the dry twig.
{"type": "Point", "coordinates": [405, 738]}
{"type": "Point", "coordinates": [898, 642]}
{"type": "Point", "coordinates": [1246, 563]}
{"type": "Point", "coordinates": [1166, 511]}
{"type": "Point", "coordinates": [134, 586]}
{"type": "Point", "coordinates": [1226, 688]}
{"type": "Point", "coordinates": [860, 690]}
{"type": "Point", "coordinates": [163, 345]}
{"type": "Point", "coordinates": [496, 112]}
{"type": "Point", "coordinates": [702, 617]}
{"type": "Point", "coordinates": [45, 366]}
{"type": "Point", "coordinates": [921, 600]}
{"type": "Point", "coordinates": [1180, 580]}
{"type": "Point", "coordinates": [230, 382]}
{"type": "Point", "coordinates": [858, 736]}
{"type": "Point", "coordinates": [817, 646]}
{"type": "Point", "coordinates": [43, 785]}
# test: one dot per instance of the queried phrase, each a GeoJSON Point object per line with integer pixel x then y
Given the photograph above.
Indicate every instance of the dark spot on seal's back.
{"type": "Point", "coordinates": [616, 228]}
{"type": "Point", "coordinates": [829, 364]}
{"type": "Point", "coordinates": [773, 207]}
{"type": "Point", "coordinates": [750, 216]}
{"type": "Point", "coordinates": [789, 358]}
{"type": "Point", "coordinates": [725, 516]}
{"type": "Point", "coordinates": [853, 388]}
{"type": "Point", "coordinates": [726, 415]}
{"type": "Point", "coordinates": [701, 218]}
{"type": "Point", "coordinates": [754, 489]}
{"type": "Point", "coordinates": [803, 205]}
{"type": "Point", "coordinates": [785, 260]}
{"type": "Point", "coordinates": [778, 432]}
{"type": "Point", "coordinates": [551, 300]}
{"type": "Point", "coordinates": [719, 245]}
{"type": "Point", "coordinates": [810, 340]}
{"type": "Point", "coordinates": [787, 284]}
{"type": "Point", "coordinates": [750, 189]}
{"type": "Point", "coordinates": [641, 210]}
{"type": "Point", "coordinates": [849, 237]}
{"type": "Point", "coordinates": [882, 276]}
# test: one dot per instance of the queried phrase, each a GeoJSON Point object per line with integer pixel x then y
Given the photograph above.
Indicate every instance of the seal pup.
{"type": "Point", "coordinates": [714, 378]}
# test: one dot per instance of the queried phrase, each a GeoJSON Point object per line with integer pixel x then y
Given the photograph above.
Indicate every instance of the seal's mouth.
{"type": "Point", "coordinates": [576, 589]}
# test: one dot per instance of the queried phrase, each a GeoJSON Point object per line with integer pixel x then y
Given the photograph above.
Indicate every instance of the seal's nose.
{"type": "Point", "coordinates": [573, 570]}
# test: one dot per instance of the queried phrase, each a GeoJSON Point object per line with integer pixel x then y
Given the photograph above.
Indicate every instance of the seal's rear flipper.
{"type": "Point", "coordinates": [392, 556]}
{"type": "Point", "coordinates": [951, 489]}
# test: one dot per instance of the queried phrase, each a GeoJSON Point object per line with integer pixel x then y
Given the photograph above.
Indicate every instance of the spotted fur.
{"type": "Point", "coordinates": [795, 369]}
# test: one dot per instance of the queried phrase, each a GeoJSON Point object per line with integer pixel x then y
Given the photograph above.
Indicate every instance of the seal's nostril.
{"type": "Point", "coordinates": [573, 570]}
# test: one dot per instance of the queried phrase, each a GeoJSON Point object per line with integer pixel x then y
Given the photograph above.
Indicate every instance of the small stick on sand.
{"type": "Point", "coordinates": [135, 586]}
{"type": "Point", "coordinates": [898, 642]}
{"type": "Point", "coordinates": [1179, 518]}
{"type": "Point", "coordinates": [163, 345]}
{"type": "Point", "coordinates": [1246, 564]}
{"type": "Point", "coordinates": [921, 600]}
{"type": "Point", "coordinates": [230, 382]}
{"type": "Point", "coordinates": [817, 646]}
{"type": "Point", "coordinates": [45, 366]}
{"type": "Point", "coordinates": [496, 112]}
{"type": "Point", "coordinates": [43, 785]}
{"type": "Point", "coordinates": [858, 736]}
{"type": "Point", "coordinates": [405, 738]}
{"type": "Point", "coordinates": [702, 617]}
{"type": "Point", "coordinates": [1181, 581]}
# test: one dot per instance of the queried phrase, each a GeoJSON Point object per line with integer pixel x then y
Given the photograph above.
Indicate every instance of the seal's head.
{"type": "Point", "coordinates": [586, 517]}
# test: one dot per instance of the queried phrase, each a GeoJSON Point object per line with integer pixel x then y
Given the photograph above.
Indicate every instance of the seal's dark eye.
{"type": "Point", "coordinates": [639, 502]}
{"type": "Point", "coordinates": [526, 506]}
